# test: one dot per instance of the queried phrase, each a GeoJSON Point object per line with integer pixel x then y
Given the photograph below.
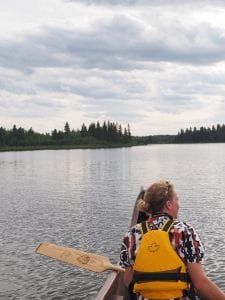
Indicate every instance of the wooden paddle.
{"type": "Point", "coordinates": [89, 261]}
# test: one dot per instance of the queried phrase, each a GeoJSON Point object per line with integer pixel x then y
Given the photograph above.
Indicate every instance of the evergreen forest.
{"type": "Point", "coordinates": [92, 135]}
{"type": "Point", "coordinates": [96, 135]}
{"type": "Point", "coordinates": [216, 134]}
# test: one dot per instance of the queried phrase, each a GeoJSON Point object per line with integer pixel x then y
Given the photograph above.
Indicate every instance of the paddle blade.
{"type": "Point", "coordinates": [86, 260]}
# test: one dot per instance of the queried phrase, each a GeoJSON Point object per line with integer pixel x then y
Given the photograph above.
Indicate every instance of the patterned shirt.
{"type": "Point", "coordinates": [183, 238]}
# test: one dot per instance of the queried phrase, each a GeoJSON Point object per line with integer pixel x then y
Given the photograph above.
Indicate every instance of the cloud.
{"type": "Point", "coordinates": [130, 61]}
{"type": "Point", "coordinates": [118, 44]}
{"type": "Point", "coordinates": [160, 3]}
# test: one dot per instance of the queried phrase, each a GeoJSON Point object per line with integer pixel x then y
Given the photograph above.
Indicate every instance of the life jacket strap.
{"type": "Point", "coordinates": [140, 277]}
{"type": "Point", "coordinates": [144, 227]}
{"type": "Point", "coordinates": [166, 227]}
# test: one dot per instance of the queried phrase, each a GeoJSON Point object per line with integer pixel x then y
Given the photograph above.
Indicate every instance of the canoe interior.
{"type": "Point", "coordinates": [113, 288]}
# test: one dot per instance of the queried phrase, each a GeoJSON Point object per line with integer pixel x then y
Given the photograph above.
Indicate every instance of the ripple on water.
{"type": "Point", "coordinates": [84, 199]}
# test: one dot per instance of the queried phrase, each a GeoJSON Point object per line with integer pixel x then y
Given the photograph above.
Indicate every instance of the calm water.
{"type": "Point", "coordinates": [84, 199]}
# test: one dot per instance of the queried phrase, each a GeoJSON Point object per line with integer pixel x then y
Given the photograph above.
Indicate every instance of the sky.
{"type": "Point", "coordinates": [158, 65]}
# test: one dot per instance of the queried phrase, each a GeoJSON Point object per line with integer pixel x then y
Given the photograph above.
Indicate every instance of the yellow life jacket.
{"type": "Point", "coordinates": [159, 273]}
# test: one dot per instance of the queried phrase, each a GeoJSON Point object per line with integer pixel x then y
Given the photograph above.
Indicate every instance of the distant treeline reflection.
{"type": "Point", "coordinates": [104, 135]}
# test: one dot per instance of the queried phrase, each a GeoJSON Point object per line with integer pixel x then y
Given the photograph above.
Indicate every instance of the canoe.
{"type": "Point", "coordinates": [113, 288]}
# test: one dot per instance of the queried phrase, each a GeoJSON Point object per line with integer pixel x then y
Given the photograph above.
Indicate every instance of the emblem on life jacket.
{"type": "Point", "coordinates": [153, 247]}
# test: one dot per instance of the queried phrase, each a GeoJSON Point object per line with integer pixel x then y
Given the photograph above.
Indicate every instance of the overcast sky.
{"type": "Point", "coordinates": [157, 65]}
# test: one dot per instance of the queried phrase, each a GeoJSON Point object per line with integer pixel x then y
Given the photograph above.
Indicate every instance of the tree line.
{"type": "Point", "coordinates": [215, 134]}
{"type": "Point", "coordinates": [95, 133]}
{"type": "Point", "coordinates": [105, 134]}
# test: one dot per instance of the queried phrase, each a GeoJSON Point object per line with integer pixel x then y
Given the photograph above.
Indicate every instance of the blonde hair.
{"type": "Point", "coordinates": [155, 197]}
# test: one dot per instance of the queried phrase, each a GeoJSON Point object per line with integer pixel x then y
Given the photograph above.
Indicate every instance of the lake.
{"type": "Point", "coordinates": [84, 199]}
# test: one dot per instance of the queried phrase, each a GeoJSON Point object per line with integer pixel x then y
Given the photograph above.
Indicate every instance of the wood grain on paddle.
{"type": "Point", "coordinates": [86, 260]}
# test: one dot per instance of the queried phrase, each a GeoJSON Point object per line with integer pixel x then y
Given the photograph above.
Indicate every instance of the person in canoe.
{"type": "Point", "coordinates": [162, 256]}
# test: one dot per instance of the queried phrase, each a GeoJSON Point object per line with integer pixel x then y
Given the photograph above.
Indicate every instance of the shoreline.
{"type": "Point", "coordinates": [95, 146]}
{"type": "Point", "coordinates": [64, 147]}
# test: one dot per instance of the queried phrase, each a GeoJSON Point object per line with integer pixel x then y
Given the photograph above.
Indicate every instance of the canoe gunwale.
{"type": "Point", "coordinates": [113, 287]}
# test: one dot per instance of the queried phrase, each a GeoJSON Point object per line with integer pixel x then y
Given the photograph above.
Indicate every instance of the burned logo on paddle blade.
{"type": "Point", "coordinates": [84, 259]}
